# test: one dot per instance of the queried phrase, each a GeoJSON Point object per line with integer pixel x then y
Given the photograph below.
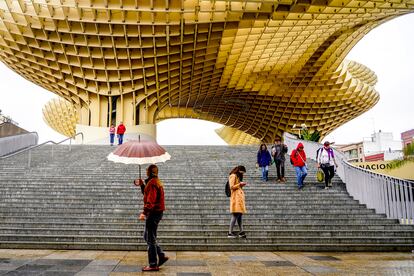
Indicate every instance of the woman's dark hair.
{"type": "Point", "coordinates": [152, 171]}
{"type": "Point", "coordinates": [237, 171]}
{"type": "Point", "coordinates": [261, 147]}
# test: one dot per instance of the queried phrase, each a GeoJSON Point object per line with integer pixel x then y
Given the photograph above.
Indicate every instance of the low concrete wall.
{"type": "Point", "coordinates": [100, 135]}
{"type": "Point", "coordinates": [15, 143]}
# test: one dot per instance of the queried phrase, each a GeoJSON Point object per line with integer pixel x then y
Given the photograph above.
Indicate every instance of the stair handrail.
{"type": "Point", "coordinates": [385, 194]}
{"type": "Point", "coordinates": [29, 149]}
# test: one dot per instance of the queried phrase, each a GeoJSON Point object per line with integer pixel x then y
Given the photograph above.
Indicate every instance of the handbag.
{"type": "Point", "coordinates": [320, 175]}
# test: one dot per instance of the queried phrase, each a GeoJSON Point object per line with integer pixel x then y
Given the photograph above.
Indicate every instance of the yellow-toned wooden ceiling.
{"type": "Point", "coordinates": [256, 66]}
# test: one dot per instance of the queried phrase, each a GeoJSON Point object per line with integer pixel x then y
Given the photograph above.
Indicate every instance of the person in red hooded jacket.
{"type": "Point", "coordinates": [298, 157]}
{"type": "Point", "coordinates": [120, 130]}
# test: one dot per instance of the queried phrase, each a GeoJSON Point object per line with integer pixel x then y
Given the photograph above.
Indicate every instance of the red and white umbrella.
{"type": "Point", "coordinates": [139, 152]}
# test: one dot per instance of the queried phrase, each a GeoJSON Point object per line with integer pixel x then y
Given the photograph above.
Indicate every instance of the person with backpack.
{"type": "Point", "coordinates": [263, 161]}
{"type": "Point", "coordinates": [326, 161]}
{"type": "Point", "coordinates": [279, 151]}
{"type": "Point", "coordinates": [237, 201]}
{"type": "Point", "coordinates": [298, 160]}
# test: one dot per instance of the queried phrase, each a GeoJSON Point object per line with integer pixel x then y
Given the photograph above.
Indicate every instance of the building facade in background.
{"type": "Point", "coordinates": [376, 154]}
{"type": "Point", "coordinates": [257, 67]}
{"type": "Point", "coordinates": [381, 146]}
{"type": "Point", "coordinates": [353, 152]}
{"type": "Point", "coordinates": [407, 137]}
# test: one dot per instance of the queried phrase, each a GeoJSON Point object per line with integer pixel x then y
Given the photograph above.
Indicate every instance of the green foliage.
{"type": "Point", "coordinates": [306, 135]}
{"type": "Point", "coordinates": [408, 157]}
{"type": "Point", "coordinates": [409, 150]}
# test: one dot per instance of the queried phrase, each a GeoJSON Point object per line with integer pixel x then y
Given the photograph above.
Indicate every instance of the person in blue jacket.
{"type": "Point", "coordinates": [263, 161]}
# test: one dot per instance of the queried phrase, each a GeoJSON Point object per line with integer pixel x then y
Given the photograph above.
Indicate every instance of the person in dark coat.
{"type": "Point", "coordinates": [279, 151]}
{"type": "Point", "coordinates": [154, 206]}
{"type": "Point", "coordinates": [263, 161]}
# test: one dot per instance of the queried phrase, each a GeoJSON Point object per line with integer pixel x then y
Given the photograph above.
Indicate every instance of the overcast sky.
{"type": "Point", "coordinates": [387, 50]}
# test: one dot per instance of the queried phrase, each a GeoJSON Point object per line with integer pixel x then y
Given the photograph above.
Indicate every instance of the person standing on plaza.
{"type": "Point", "coordinates": [263, 161]}
{"type": "Point", "coordinates": [298, 158]}
{"type": "Point", "coordinates": [279, 151]}
{"type": "Point", "coordinates": [111, 135]}
{"type": "Point", "coordinates": [326, 161]}
{"type": "Point", "coordinates": [154, 206]}
{"type": "Point", "coordinates": [237, 201]}
{"type": "Point", "coordinates": [120, 131]}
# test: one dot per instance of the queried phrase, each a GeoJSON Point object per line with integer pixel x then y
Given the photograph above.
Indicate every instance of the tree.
{"type": "Point", "coordinates": [306, 135]}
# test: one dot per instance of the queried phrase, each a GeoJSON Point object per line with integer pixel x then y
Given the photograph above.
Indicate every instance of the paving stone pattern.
{"type": "Point", "coordinates": [123, 263]}
{"type": "Point", "coordinates": [78, 200]}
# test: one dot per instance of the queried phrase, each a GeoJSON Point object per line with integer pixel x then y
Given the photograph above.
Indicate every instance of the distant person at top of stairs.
{"type": "Point", "coordinates": [154, 206]}
{"type": "Point", "coordinates": [237, 201]}
{"type": "Point", "coordinates": [120, 131]}
{"type": "Point", "coordinates": [263, 161]}
{"type": "Point", "coordinates": [326, 161]}
{"type": "Point", "coordinates": [279, 151]}
{"type": "Point", "coordinates": [298, 160]}
{"type": "Point", "coordinates": [111, 135]}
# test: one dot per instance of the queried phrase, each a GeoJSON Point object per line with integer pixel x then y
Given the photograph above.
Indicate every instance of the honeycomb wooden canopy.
{"type": "Point", "coordinates": [258, 66]}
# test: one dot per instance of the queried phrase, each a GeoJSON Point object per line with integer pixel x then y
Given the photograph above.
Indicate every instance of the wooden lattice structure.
{"type": "Point", "coordinates": [60, 115]}
{"type": "Point", "coordinates": [256, 66]}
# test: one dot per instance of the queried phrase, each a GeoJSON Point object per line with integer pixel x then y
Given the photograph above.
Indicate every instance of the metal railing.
{"type": "Point", "coordinates": [387, 195]}
{"type": "Point", "coordinates": [29, 150]}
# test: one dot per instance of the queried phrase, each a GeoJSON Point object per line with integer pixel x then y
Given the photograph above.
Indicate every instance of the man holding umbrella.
{"type": "Point", "coordinates": [154, 207]}
{"type": "Point", "coordinates": [147, 152]}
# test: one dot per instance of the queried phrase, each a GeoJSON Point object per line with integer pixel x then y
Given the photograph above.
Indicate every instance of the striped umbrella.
{"type": "Point", "coordinates": [139, 152]}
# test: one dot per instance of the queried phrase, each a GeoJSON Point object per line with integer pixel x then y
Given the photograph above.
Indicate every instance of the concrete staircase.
{"type": "Point", "coordinates": [79, 200]}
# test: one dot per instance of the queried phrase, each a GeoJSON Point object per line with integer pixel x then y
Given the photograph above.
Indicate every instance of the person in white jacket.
{"type": "Point", "coordinates": [326, 161]}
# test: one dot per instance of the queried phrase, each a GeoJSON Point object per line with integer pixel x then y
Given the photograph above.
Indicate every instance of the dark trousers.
{"type": "Point", "coordinates": [280, 168]}
{"type": "Point", "coordinates": [150, 236]}
{"type": "Point", "coordinates": [120, 139]}
{"type": "Point", "coordinates": [329, 172]}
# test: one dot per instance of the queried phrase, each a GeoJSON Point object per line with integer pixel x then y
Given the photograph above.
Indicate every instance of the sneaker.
{"type": "Point", "coordinates": [242, 235]}
{"type": "Point", "coordinates": [232, 235]}
{"type": "Point", "coordinates": [283, 179]}
{"type": "Point", "coordinates": [162, 261]}
{"type": "Point", "coordinates": [300, 188]}
{"type": "Point", "coordinates": [279, 180]}
{"type": "Point", "coordinates": [326, 188]}
{"type": "Point", "coordinates": [150, 268]}
{"type": "Point", "coordinates": [330, 183]}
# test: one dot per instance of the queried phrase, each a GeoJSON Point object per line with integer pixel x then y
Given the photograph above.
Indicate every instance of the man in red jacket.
{"type": "Point", "coordinates": [154, 206]}
{"type": "Point", "coordinates": [120, 130]}
{"type": "Point", "coordinates": [298, 157]}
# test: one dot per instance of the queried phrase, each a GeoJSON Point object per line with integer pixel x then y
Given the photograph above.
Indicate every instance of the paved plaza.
{"type": "Point", "coordinates": [94, 263]}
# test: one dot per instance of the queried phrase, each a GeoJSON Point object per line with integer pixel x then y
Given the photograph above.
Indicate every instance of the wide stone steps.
{"type": "Point", "coordinates": [168, 220]}
{"type": "Point", "coordinates": [203, 239]}
{"type": "Point", "coordinates": [236, 246]}
{"type": "Point", "coordinates": [197, 227]}
{"type": "Point", "coordinates": [79, 200]}
{"type": "Point", "coordinates": [172, 206]}
{"type": "Point", "coordinates": [199, 233]}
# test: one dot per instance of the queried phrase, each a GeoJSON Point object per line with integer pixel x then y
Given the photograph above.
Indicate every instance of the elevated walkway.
{"type": "Point", "coordinates": [79, 200]}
